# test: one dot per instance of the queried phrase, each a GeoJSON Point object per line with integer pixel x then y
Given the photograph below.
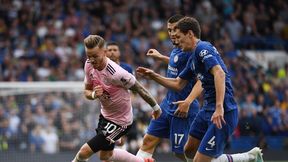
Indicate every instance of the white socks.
{"type": "Point", "coordinates": [242, 157]}
{"type": "Point", "coordinates": [124, 156]}
{"type": "Point", "coordinates": [143, 154]}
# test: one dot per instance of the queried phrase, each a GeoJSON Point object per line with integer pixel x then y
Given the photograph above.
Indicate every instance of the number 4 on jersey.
{"type": "Point", "coordinates": [211, 142]}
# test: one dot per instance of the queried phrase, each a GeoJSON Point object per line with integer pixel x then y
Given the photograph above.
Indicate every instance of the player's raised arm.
{"type": "Point", "coordinates": [176, 84]}
{"type": "Point", "coordinates": [137, 87]}
{"type": "Point", "coordinates": [157, 55]}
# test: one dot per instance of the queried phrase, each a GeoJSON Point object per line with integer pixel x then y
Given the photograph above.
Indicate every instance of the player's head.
{"type": "Point", "coordinates": [171, 24]}
{"type": "Point", "coordinates": [113, 51]}
{"type": "Point", "coordinates": [187, 33]}
{"type": "Point", "coordinates": [95, 51]}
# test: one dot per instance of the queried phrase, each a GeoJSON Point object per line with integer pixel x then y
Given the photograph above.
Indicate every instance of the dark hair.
{"type": "Point", "coordinates": [189, 23]}
{"type": "Point", "coordinates": [112, 44]}
{"type": "Point", "coordinates": [175, 18]}
{"type": "Point", "coordinates": [94, 41]}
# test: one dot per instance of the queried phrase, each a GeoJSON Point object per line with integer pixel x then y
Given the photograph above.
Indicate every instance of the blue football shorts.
{"type": "Point", "coordinates": [174, 128]}
{"type": "Point", "coordinates": [213, 140]}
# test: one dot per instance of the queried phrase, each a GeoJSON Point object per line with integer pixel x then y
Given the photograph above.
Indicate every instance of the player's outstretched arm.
{"type": "Point", "coordinates": [195, 92]}
{"type": "Point", "coordinates": [157, 55]}
{"type": "Point", "coordinates": [176, 84]}
{"type": "Point", "coordinates": [139, 88]}
{"type": "Point", "coordinates": [183, 106]}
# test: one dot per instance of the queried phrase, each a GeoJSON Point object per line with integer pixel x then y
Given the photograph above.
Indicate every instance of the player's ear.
{"type": "Point", "coordinates": [190, 34]}
{"type": "Point", "coordinates": [105, 51]}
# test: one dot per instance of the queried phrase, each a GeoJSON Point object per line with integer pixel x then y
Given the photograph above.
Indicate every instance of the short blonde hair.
{"type": "Point", "coordinates": [94, 41]}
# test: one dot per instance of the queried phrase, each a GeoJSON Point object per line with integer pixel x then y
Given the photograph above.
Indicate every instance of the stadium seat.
{"type": "Point", "coordinates": [243, 143]}
{"type": "Point", "coordinates": [275, 142]}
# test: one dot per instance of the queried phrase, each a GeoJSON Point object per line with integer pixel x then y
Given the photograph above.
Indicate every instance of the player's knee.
{"type": "Point", "coordinates": [146, 141]}
{"type": "Point", "coordinates": [105, 155]}
{"type": "Point", "coordinates": [189, 150]}
{"type": "Point", "coordinates": [120, 142]}
{"type": "Point", "coordinates": [149, 142]}
{"type": "Point", "coordinates": [195, 159]}
{"type": "Point", "coordinates": [85, 152]}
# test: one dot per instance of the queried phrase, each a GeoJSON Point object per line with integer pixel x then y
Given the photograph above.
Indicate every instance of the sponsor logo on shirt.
{"type": "Point", "coordinates": [173, 70]}
{"type": "Point", "coordinates": [200, 76]}
{"type": "Point", "coordinates": [125, 81]}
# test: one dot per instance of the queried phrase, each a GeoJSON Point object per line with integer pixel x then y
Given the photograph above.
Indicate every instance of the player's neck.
{"type": "Point", "coordinates": [103, 64]}
{"type": "Point", "coordinates": [195, 42]}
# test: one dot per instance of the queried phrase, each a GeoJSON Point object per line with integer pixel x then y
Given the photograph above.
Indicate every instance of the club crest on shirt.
{"type": "Point", "coordinates": [92, 77]}
{"type": "Point", "coordinates": [176, 59]}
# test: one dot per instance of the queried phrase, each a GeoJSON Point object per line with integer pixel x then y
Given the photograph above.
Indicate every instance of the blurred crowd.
{"type": "Point", "coordinates": [43, 41]}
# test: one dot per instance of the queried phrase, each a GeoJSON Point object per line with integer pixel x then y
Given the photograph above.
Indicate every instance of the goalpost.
{"type": "Point", "coordinates": [18, 88]}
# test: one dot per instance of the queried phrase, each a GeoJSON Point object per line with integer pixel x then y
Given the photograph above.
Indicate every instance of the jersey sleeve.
{"type": "Point", "coordinates": [123, 78]}
{"type": "Point", "coordinates": [207, 55]}
{"type": "Point", "coordinates": [187, 72]}
{"type": "Point", "coordinates": [87, 79]}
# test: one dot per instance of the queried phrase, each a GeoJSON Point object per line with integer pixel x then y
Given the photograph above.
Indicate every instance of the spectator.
{"type": "Point", "coordinates": [50, 138]}
{"type": "Point", "coordinates": [35, 139]}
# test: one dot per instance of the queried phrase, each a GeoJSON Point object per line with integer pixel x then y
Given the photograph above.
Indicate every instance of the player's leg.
{"type": "Point", "coordinates": [108, 143]}
{"type": "Point", "coordinates": [196, 133]}
{"type": "Point", "coordinates": [212, 145]}
{"type": "Point", "coordinates": [157, 129]}
{"type": "Point", "coordinates": [108, 153]}
{"type": "Point", "coordinates": [83, 154]}
{"type": "Point", "coordinates": [119, 155]}
{"type": "Point", "coordinates": [92, 146]}
{"type": "Point", "coordinates": [148, 146]}
{"type": "Point", "coordinates": [254, 155]}
{"type": "Point", "coordinates": [179, 132]}
{"type": "Point", "coordinates": [119, 144]}
{"type": "Point", "coordinates": [191, 147]}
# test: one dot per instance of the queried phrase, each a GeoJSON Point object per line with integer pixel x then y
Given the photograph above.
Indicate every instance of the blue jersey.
{"type": "Point", "coordinates": [177, 63]}
{"type": "Point", "coordinates": [127, 67]}
{"type": "Point", "coordinates": [204, 58]}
